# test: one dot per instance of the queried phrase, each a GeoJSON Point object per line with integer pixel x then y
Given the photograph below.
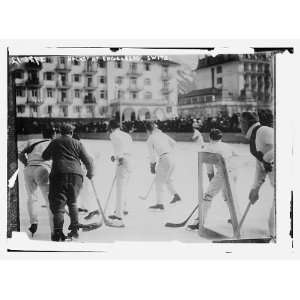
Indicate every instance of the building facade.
{"type": "Point", "coordinates": [68, 87]}
{"type": "Point", "coordinates": [229, 84]}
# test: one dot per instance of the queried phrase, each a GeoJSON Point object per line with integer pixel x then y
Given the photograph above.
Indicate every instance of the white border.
{"type": "Point", "coordinates": [286, 72]}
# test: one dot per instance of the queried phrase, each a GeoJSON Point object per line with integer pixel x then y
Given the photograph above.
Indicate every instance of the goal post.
{"type": "Point", "coordinates": [231, 201]}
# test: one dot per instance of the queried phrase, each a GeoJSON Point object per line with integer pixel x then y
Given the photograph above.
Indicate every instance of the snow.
{"type": "Point", "coordinates": [144, 225]}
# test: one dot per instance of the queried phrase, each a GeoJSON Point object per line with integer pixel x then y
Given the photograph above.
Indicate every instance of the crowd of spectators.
{"type": "Point", "coordinates": [223, 122]}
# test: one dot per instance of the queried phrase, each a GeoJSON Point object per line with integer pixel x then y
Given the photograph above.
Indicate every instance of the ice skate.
{"type": "Point", "coordinates": [194, 226]}
{"type": "Point", "coordinates": [82, 210]}
{"type": "Point", "coordinates": [114, 217]}
{"type": "Point", "coordinates": [117, 223]}
{"type": "Point", "coordinates": [33, 229]}
{"type": "Point", "coordinates": [58, 236]}
{"type": "Point", "coordinates": [73, 235]}
{"type": "Point", "coordinates": [175, 199]}
{"type": "Point", "coordinates": [157, 207]}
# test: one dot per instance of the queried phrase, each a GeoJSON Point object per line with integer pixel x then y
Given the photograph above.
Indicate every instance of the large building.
{"type": "Point", "coordinates": [229, 84]}
{"type": "Point", "coordinates": [69, 87]}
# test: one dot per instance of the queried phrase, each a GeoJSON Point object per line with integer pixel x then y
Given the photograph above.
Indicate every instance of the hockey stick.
{"type": "Point", "coordinates": [106, 222]}
{"type": "Point", "coordinates": [148, 192]}
{"type": "Point", "coordinates": [244, 215]}
{"type": "Point", "coordinates": [174, 225]}
{"type": "Point", "coordinates": [96, 212]}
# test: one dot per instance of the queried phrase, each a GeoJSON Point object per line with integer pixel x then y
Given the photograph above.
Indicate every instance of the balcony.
{"type": "Point", "coordinates": [64, 101]}
{"type": "Point", "coordinates": [166, 90]}
{"type": "Point", "coordinates": [89, 86]}
{"type": "Point", "coordinates": [89, 100]}
{"type": "Point", "coordinates": [134, 88]}
{"type": "Point", "coordinates": [63, 84]}
{"type": "Point", "coordinates": [63, 67]}
{"type": "Point", "coordinates": [34, 101]}
{"type": "Point", "coordinates": [90, 69]}
{"type": "Point", "coordinates": [133, 73]}
{"type": "Point", "coordinates": [20, 82]}
{"type": "Point", "coordinates": [33, 83]}
{"type": "Point", "coordinates": [166, 76]}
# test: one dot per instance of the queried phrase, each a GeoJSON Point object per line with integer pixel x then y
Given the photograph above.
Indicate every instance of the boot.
{"type": "Point", "coordinates": [175, 199]}
{"type": "Point", "coordinates": [33, 229]}
{"type": "Point", "coordinates": [58, 236]}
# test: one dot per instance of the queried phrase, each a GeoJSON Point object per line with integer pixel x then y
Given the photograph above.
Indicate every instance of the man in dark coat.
{"type": "Point", "coordinates": [66, 179]}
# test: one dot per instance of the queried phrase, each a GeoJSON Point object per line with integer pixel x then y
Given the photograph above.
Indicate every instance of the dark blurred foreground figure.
{"type": "Point", "coordinates": [66, 179]}
{"type": "Point", "coordinates": [262, 148]}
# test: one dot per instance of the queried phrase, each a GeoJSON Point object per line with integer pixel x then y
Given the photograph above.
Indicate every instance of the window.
{"type": "Point", "coordinates": [19, 74]}
{"type": "Point", "coordinates": [49, 109]}
{"type": "Point", "coordinates": [219, 69]}
{"type": "Point", "coordinates": [77, 93]}
{"type": "Point", "coordinates": [147, 66]}
{"type": "Point", "coordinates": [101, 64]}
{"type": "Point", "coordinates": [119, 94]}
{"type": "Point", "coordinates": [165, 84]}
{"type": "Point", "coordinates": [20, 92]}
{"type": "Point", "coordinates": [118, 64]}
{"type": "Point", "coordinates": [165, 70]}
{"type": "Point", "coordinates": [89, 81]}
{"type": "Point", "coordinates": [48, 76]}
{"type": "Point", "coordinates": [34, 93]}
{"type": "Point", "coordinates": [133, 66]}
{"type": "Point", "coordinates": [77, 77]}
{"type": "Point", "coordinates": [62, 60]}
{"type": "Point", "coordinates": [133, 81]}
{"type": "Point", "coordinates": [147, 81]}
{"type": "Point", "coordinates": [78, 108]}
{"type": "Point", "coordinates": [34, 109]}
{"type": "Point", "coordinates": [119, 80]}
{"type": "Point", "coordinates": [65, 111]}
{"type": "Point", "coordinates": [48, 60]}
{"type": "Point", "coordinates": [219, 80]}
{"type": "Point", "coordinates": [49, 93]}
{"type": "Point", "coordinates": [21, 109]}
{"type": "Point", "coordinates": [133, 95]}
{"type": "Point", "coordinates": [102, 79]}
{"type": "Point", "coordinates": [102, 94]}
{"type": "Point", "coordinates": [63, 95]}
{"type": "Point", "coordinates": [148, 95]}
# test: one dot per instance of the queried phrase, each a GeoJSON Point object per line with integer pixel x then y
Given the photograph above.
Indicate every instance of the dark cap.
{"type": "Point", "coordinates": [66, 128]}
{"type": "Point", "coordinates": [250, 117]}
{"type": "Point", "coordinates": [113, 124]}
{"type": "Point", "coordinates": [150, 126]}
{"type": "Point", "coordinates": [215, 134]}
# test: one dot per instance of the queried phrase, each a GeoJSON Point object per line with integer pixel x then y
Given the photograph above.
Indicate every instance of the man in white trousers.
{"type": "Point", "coordinates": [262, 148]}
{"type": "Point", "coordinates": [217, 182]}
{"type": "Point", "coordinates": [197, 136]}
{"type": "Point", "coordinates": [36, 174]}
{"type": "Point", "coordinates": [122, 145]}
{"type": "Point", "coordinates": [161, 146]}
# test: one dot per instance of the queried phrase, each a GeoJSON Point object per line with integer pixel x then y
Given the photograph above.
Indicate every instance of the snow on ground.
{"type": "Point", "coordinates": [145, 225]}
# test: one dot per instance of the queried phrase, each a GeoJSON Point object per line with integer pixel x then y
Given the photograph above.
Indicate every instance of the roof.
{"type": "Point", "coordinates": [216, 60]}
{"type": "Point", "coordinates": [202, 92]}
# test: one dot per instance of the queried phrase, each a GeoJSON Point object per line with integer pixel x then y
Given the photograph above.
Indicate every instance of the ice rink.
{"type": "Point", "coordinates": [145, 225]}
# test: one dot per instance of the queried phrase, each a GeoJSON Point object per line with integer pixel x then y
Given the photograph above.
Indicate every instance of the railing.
{"type": "Point", "coordinates": [34, 101]}
{"type": "Point", "coordinates": [89, 86]}
{"type": "Point", "coordinates": [63, 67]}
{"type": "Point", "coordinates": [63, 84]}
{"type": "Point", "coordinates": [89, 100]}
{"type": "Point", "coordinates": [33, 82]}
{"type": "Point", "coordinates": [64, 101]}
{"type": "Point", "coordinates": [166, 90]}
{"type": "Point", "coordinates": [90, 69]}
{"type": "Point", "coordinates": [134, 88]}
{"type": "Point", "coordinates": [133, 73]}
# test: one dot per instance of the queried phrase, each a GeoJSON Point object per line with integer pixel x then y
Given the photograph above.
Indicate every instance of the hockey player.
{"type": "Point", "coordinates": [66, 179]}
{"type": "Point", "coordinates": [122, 145]}
{"type": "Point", "coordinates": [217, 182]}
{"type": "Point", "coordinates": [161, 145]}
{"type": "Point", "coordinates": [36, 174]}
{"type": "Point", "coordinates": [197, 136]}
{"type": "Point", "coordinates": [262, 148]}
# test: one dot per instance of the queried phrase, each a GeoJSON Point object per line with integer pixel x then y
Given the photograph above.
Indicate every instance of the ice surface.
{"type": "Point", "coordinates": [144, 225]}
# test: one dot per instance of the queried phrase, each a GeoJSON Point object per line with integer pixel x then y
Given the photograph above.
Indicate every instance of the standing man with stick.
{"type": "Point", "coordinates": [262, 148]}
{"type": "Point", "coordinates": [122, 145]}
{"type": "Point", "coordinates": [66, 179]}
{"type": "Point", "coordinates": [161, 145]}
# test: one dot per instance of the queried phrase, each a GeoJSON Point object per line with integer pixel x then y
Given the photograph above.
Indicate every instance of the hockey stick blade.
{"type": "Point", "coordinates": [90, 227]}
{"type": "Point", "coordinates": [175, 225]}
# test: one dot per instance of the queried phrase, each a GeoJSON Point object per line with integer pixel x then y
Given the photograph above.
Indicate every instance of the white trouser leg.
{"type": "Point", "coordinates": [271, 220]}
{"type": "Point", "coordinates": [123, 175]}
{"type": "Point", "coordinates": [31, 188]}
{"type": "Point", "coordinates": [163, 177]}
{"type": "Point", "coordinates": [41, 176]}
